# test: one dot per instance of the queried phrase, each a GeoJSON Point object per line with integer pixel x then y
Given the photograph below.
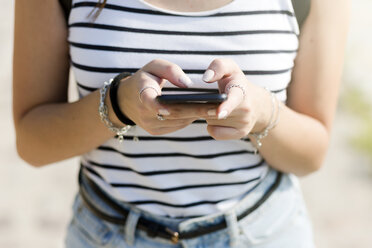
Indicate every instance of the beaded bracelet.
{"type": "Point", "coordinates": [103, 113]}
{"type": "Point", "coordinates": [274, 119]}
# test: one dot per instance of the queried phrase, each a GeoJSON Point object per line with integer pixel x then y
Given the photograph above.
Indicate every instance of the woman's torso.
{"type": "Point", "coordinates": [185, 173]}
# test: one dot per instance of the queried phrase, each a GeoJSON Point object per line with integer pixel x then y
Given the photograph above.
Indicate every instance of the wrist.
{"type": "Point", "coordinates": [263, 104]}
{"type": "Point", "coordinates": [273, 121]}
{"type": "Point", "coordinates": [123, 95]}
{"type": "Point", "coordinates": [103, 111]}
{"type": "Point", "coordinates": [111, 114]}
{"type": "Point", "coordinates": [117, 105]}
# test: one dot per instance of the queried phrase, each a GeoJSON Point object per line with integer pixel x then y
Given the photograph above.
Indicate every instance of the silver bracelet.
{"type": "Point", "coordinates": [103, 113]}
{"type": "Point", "coordinates": [274, 119]}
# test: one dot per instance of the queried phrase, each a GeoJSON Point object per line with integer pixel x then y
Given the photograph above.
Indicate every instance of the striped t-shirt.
{"type": "Point", "coordinates": [185, 173]}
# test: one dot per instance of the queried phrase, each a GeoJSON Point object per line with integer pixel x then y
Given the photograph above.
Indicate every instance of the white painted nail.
{"type": "Point", "coordinates": [212, 112]}
{"type": "Point", "coordinates": [208, 75]}
{"type": "Point", "coordinates": [186, 81]}
{"type": "Point", "coordinates": [222, 115]}
{"type": "Point", "coordinates": [164, 112]}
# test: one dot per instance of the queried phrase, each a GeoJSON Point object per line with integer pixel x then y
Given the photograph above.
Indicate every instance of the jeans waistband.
{"type": "Point", "coordinates": [187, 225]}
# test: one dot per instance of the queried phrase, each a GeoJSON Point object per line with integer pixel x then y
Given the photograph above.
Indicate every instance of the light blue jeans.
{"type": "Point", "coordinates": [280, 222]}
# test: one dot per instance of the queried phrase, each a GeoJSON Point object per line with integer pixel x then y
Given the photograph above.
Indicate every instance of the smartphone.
{"type": "Point", "coordinates": [191, 98]}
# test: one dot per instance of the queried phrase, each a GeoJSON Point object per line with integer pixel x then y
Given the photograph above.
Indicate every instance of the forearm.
{"type": "Point", "coordinates": [57, 131]}
{"type": "Point", "coordinates": [297, 144]}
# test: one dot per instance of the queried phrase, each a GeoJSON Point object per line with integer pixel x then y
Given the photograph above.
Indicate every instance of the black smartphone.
{"type": "Point", "coordinates": [192, 98]}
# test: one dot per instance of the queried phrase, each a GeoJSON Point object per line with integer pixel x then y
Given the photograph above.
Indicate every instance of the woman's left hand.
{"type": "Point", "coordinates": [247, 108]}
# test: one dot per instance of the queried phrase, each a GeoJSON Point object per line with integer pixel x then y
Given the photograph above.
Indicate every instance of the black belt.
{"type": "Point", "coordinates": [154, 229]}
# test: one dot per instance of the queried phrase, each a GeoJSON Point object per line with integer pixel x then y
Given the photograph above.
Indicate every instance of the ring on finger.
{"type": "Point", "coordinates": [236, 86]}
{"type": "Point", "coordinates": [160, 117]}
{"type": "Point", "coordinates": [146, 88]}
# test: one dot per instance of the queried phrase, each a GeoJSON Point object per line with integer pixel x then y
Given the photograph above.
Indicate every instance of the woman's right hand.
{"type": "Point", "coordinates": [137, 97]}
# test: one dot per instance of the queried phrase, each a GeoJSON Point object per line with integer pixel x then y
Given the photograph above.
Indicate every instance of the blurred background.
{"type": "Point", "coordinates": [35, 204]}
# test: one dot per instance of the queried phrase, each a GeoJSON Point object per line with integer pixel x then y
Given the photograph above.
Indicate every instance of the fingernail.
{"type": "Point", "coordinates": [186, 80]}
{"type": "Point", "coordinates": [222, 115]}
{"type": "Point", "coordinates": [208, 75]}
{"type": "Point", "coordinates": [164, 112]}
{"type": "Point", "coordinates": [212, 112]}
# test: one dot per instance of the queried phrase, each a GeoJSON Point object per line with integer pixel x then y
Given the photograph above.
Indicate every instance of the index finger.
{"type": "Point", "coordinates": [147, 93]}
{"type": "Point", "coordinates": [219, 69]}
{"type": "Point", "coordinates": [169, 71]}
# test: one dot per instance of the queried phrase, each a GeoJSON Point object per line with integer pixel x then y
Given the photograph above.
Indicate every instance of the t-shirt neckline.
{"type": "Point", "coordinates": [194, 13]}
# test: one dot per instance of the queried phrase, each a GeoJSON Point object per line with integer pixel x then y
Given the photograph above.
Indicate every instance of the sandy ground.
{"type": "Point", "coordinates": [35, 203]}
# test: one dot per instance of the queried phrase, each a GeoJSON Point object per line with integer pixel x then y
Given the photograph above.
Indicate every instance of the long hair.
{"type": "Point", "coordinates": [97, 10]}
{"type": "Point", "coordinates": [101, 3]}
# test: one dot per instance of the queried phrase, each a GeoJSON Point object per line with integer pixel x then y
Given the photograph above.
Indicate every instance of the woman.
{"type": "Point", "coordinates": [176, 181]}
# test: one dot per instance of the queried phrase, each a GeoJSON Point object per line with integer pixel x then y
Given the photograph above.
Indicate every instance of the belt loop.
{"type": "Point", "coordinates": [130, 226]}
{"type": "Point", "coordinates": [232, 227]}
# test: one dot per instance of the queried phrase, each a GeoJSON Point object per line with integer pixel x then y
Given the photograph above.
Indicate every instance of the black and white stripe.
{"type": "Point", "coordinates": [185, 173]}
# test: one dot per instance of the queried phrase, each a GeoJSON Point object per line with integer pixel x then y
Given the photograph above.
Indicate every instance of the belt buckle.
{"type": "Point", "coordinates": [174, 236]}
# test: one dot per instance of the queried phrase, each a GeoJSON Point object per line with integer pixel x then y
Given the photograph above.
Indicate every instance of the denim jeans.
{"type": "Point", "coordinates": [281, 221]}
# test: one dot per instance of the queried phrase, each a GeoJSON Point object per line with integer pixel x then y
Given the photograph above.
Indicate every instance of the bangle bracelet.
{"type": "Point", "coordinates": [274, 119]}
{"type": "Point", "coordinates": [114, 99]}
{"type": "Point", "coordinates": [103, 113]}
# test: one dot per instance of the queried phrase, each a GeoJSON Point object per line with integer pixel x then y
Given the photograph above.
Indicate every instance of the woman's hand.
{"type": "Point", "coordinates": [247, 108]}
{"type": "Point", "coordinates": [137, 97]}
